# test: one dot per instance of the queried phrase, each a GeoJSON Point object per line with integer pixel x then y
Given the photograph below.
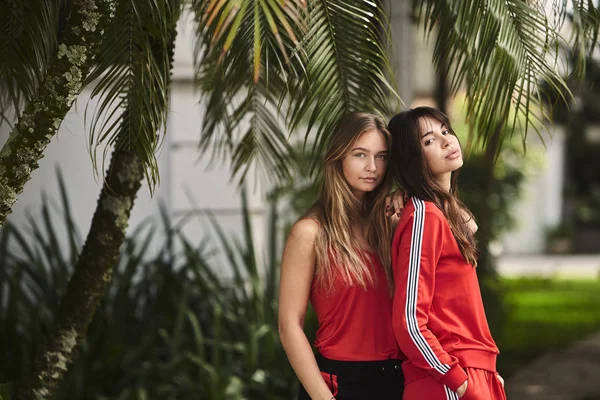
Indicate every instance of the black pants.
{"type": "Point", "coordinates": [361, 380]}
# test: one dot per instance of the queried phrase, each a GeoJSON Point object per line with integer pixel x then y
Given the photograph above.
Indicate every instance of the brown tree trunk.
{"type": "Point", "coordinates": [91, 277]}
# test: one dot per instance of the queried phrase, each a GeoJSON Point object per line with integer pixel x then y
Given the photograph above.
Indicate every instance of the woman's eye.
{"type": "Point", "coordinates": [445, 131]}
{"type": "Point", "coordinates": [382, 156]}
{"type": "Point", "coordinates": [359, 155]}
{"type": "Point", "coordinates": [428, 142]}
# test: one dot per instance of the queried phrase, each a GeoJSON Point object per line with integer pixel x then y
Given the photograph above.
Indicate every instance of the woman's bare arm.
{"type": "Point", "coordinates": [297, 272]}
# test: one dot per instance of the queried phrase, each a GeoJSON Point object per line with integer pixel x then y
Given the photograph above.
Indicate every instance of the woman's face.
{"type": "Point", "coordinates": [365, 164]}
{"type": "Point", "coordinates": [440, 148]}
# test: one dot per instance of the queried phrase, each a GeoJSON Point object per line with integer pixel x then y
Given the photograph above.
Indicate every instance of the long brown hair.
{"type": "Point", "coordinates": [338, 251]}
{"type": "Point", "coordinates": [410, 171]}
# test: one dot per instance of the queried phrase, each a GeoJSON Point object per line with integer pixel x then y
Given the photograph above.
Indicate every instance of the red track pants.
{"type": "Point", "coordinates": [483, 385]}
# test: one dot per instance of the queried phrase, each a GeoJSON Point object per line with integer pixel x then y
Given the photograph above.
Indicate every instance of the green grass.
{"type": "Point", "coordinates": [546, 315]}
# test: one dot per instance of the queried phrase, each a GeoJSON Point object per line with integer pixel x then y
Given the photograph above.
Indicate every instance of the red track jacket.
{"type": "Point", "coordinates": [438, 315]}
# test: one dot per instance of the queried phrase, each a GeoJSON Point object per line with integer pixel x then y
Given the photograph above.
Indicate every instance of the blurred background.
{"type": "Point", "coordinates": [190, 312]}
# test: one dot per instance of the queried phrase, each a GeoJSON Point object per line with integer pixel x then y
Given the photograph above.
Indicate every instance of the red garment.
{"type": "Point", "coordinates": [355, 324]}
{"type": "Point", "coordinates": [438, 314]}
{"type": "Point", "coordinates": [483, 385]}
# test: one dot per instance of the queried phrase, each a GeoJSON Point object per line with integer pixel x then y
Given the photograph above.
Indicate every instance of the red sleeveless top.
{"type": "Point", "coordinates": [355, 324]}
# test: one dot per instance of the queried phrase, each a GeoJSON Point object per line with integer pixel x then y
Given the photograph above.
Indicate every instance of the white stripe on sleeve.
{"type": "Point", "coordinates": [414, 265]}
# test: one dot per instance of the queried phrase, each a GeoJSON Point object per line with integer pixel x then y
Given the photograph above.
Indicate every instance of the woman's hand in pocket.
{"type": "Point", "coordinates": [462, 389]}
{"type": "Point", "coordinates": [501, 379]}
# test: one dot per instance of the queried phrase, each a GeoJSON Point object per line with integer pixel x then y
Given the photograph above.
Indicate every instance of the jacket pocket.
{"type": "Point", "coordinates": [471, 392]}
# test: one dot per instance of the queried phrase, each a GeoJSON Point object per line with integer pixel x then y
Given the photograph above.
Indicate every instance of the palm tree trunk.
{"type": "Point", "coordinates": [91, 277]}
{"type": "Point", "coordinates": [63, 82]}
{"type": "Point", "coordinates": [98, 257]}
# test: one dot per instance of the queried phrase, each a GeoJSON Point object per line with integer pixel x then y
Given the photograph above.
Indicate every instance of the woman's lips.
{"type": "Point", "coordinates": [455, 154]}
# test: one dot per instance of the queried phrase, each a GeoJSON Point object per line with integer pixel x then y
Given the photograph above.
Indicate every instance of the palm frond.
{"type": "Point", "coordinates": [245, 53]}
{"type": "Point", "coordinates": [500, 51]}
{"type": "Point", "coordinates": [348, 47]}
{"type": "Point", "coordinates": [585, 25]}
{"type": "Point", "coordinates": [80, 37]}
{"type": "Point", "coordinates": [28, 39]}
{"type": "Point", "coordinates": [131, 78]}
{"type": "Point", "coordinates": [257, 26]}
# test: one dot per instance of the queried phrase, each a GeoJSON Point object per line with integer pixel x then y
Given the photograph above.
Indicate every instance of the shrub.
{"type": "Point", "coordinates": [170, 327]}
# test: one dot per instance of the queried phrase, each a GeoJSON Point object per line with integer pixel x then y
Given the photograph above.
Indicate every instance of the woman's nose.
{"type": "Point", "coordinates": [371, 165]}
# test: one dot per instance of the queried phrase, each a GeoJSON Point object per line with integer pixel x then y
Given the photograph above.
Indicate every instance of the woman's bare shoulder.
{"type": "Point", "coordinates": [306, 228]}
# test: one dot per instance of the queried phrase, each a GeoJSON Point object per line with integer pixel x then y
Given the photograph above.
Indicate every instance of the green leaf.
{"type": "Point", "coordinates": [130, 77]}
{"type": "Point", "coordinates": [348, 68]}
{"type": "Point", "coordinates": [5, 390]}
{"type": "Point", "coordinates": [502, 54]}
{"type": "Point", "coordinates": [28, 43]}
{"type": "Point", "coordinates": [243, 61]}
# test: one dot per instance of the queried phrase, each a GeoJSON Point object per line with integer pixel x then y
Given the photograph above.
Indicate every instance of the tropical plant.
{"type": "Point", "coordinates": [46, 51]}
{"type": "Point", "coordinates": [131, 73]}
{"type": "Point", "coordinates": [173, 325]}
{"type": "Point", "coordinates": [148, 60]}
{"type": "Point", "coordinates": [255, 58]}
{"type": "Point", "coordinates": [270, 62]}
{"type": "Point", "coordinates": [517, 41]}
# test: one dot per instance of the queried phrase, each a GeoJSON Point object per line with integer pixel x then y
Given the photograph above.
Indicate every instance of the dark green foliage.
{"type": "Point", "coordinates": [59, 85]}
{"type": "Point", "coordinates": [581, 207]}
{"type": "Point", "coordinates": [489, 194]}
{"type": "Point", "coordinates": [5, 391]}
{"type": "Point", "coordinates": [28, 43]}
{"type": "Point", "coordinates": [174, 325]}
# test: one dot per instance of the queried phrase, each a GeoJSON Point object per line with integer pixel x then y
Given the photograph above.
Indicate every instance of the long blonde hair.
{"type": "Point", "coordinates": [337, 250]}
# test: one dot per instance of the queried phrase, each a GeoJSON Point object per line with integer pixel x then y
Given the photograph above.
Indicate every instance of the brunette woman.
{"type": "Point", "coordinates": [438, 314]}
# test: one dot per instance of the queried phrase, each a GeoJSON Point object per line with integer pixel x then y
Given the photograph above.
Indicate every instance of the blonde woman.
{"type": "Point", "coordinates": [337, 257]}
